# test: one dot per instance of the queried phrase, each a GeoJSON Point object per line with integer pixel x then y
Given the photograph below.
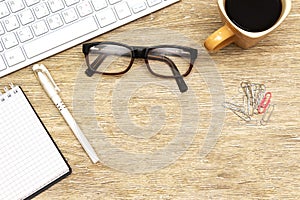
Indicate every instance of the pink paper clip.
{"type": "Point", "coordinates": [262, 107]}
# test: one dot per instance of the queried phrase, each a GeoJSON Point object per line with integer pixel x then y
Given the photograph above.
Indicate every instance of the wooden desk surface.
{"type": "Point", "coordinates": [247, 162]}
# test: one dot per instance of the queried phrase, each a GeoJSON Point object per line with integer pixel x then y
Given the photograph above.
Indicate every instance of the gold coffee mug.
{"type": "Point", "coordinates": [232, 32]}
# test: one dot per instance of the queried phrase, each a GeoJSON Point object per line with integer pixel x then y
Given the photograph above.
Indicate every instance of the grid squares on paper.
{"type": "Point", "coordinates": [29, 160]}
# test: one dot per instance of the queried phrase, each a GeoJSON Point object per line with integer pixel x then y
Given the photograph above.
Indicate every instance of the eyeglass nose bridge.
{"type": "Point", "coordinates": [139, 52]}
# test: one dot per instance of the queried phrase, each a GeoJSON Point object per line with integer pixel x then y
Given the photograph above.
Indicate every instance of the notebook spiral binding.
{"type": "Point", "coordinates": [8, 92]}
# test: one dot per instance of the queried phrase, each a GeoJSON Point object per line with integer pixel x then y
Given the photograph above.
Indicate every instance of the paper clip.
{"type": "Point", "coordinates": [248, 104]}
{"type": "Point", "coordinates": [246, 86]}
{"type": "Point", "coordinates": [232, 106]}
{"type": "Point", "coordinates": [267, 115]}
{"type": "Point", "coordinates": [243, 115]}
{"type": "Point", "coordinates": [259, 92]}
{"type": "Point", "coordinates": [264, 103]}
{"type": "Point", "coordinates": [236, 109]}
{"type": "Point", "coordinates": [262, 87]}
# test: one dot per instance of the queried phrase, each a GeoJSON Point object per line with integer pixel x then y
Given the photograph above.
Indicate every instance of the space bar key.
{"type": "Point", "coordinates": [60, 37]}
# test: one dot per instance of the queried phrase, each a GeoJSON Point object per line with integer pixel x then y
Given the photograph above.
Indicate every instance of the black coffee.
{"type": "Point", "coordinates": [253, 15]}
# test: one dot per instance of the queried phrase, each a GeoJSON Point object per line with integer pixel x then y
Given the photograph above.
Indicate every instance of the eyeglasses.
{"type": "Point", "coordinates": [165, 61]}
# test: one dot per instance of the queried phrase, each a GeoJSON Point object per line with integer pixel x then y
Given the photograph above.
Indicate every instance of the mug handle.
{"type": "Point", "coordinates": [219, 39]}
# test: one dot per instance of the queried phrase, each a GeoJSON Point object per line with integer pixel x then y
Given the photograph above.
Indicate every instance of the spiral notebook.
{"type": "Point", "coordinates": [30, 161]}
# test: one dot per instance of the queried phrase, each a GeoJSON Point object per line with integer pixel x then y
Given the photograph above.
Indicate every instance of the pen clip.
{"type": "Point", "coordinates": [44, 70]}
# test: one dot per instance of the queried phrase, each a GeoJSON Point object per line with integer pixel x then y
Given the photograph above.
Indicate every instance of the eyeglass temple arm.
{"type": "Point", "coordinates": [178, 77]}
{"type": "Point", "coordinates": [94, 66]}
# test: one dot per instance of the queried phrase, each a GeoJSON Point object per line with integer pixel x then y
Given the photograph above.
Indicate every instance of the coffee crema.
{"type": "Point", "coordinates": [253, 15]}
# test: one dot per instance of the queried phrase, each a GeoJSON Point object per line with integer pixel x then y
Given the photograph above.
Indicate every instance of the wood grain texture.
{"type": "Point", "coordinates": [248, 162]}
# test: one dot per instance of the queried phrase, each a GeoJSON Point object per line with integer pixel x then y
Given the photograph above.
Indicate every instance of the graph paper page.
{"type": "Point", "coordinates": [29, 159]}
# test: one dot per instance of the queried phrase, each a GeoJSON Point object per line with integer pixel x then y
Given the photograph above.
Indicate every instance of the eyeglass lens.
{"type": "Point", "coordinates": [108, 58]}
{"type": "Point", "coordinates": [163, 61]}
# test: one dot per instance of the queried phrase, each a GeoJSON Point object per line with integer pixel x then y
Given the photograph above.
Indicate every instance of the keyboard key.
{"type": "Point", "coordinates": [41, 10]}
{"type": "Point", "coordinates": [69, 15]}
{"type": "Point", "coordinates": [113, 1]}
{"type": "Point", "coordinates": [24, 34]}
{"type": "Point", "coordinates": [106, 17]}
{"type": "Point", "coordinates": [122, 10]}
{"type": "Point", "coordinates": [2, 64]}
{"type": "Point", "coordinates": [31, 2]}
{"type": "Point", "coordinates": [84, 9]}
{"type": "Point", "coordinates": [9, 40]}
{"type": "Point", "coordinates": [39, 28]}
{"type": "Point", "coordinates": [26, 17]}
{"type": "Point", "coordinates": [3, 10]}
{"type": "Point", "coordinates": [14, 56]}
{"type": "Point", "coordinates": [11, 23]}
{"type": "Point", "coordinates": [56, 5]}
{"type": "Point", "coordinates": [71, 2]}
{"type": "Point", "coordinates": [99, 4]}
{"type": "Point", "coordinates": [59, 37]}
{"type": "Point", "coordinates": [16, 5]}
{"type": "Point", "coordinates": [55, 21]}
{"type": "Point", "coordinates": [153, 2]}
{"type": "Point", "coordinates": [138, 7]}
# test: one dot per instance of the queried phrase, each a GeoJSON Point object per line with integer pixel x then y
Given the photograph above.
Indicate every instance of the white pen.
{"type": "Point", "coordinates": [52, 90]}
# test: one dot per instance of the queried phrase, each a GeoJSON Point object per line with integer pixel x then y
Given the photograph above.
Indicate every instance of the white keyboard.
{"type": "Point", "coordinates": [31, 30]}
